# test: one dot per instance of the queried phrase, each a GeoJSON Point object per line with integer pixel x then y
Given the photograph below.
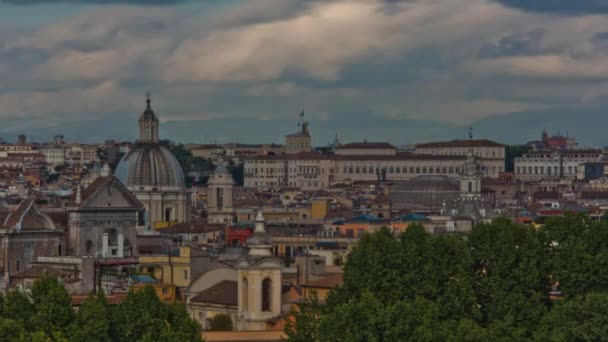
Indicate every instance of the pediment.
{"type": "Point", "coordinates": [110, 193]}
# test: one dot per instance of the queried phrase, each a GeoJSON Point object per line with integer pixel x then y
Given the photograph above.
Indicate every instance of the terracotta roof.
{"type": "Point", "coordinates": [594, 194]}
{"type": "Point", "coordinates": [329, 282]}
{"type": "Point", "coordinates": [319, 156]}
{"type": "Point", "coordinates": [546, 195]}
{"type": "Point", "coordinates": [461, 143]}
{"type": "Point", "coordinates": [224, 293]}
{"type": "Point", "coordinates": [381, 199]}
{"type": "Point", "coordinates": [15, 216]}
{"type": "Point", "coordinates": [60, 219]}
{"type": "Point", "coordinates": [366, 145]}
{"type": "Point", "coordinates": [191, 228]}
{"type": "Point", "coordinates": [112, 299]}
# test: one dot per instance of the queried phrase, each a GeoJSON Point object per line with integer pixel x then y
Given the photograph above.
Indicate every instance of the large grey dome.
{"type": "Point", "coordinates": [424, 193]}
{"type": "Point", "coordinates": [150, 165]}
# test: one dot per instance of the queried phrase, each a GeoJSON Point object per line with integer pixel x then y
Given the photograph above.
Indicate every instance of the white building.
{"type": "Point", "coordinates": [539, 165]}
{"type": "Point", "coordinates": [314, 171]}
{"type": "Point", "coordinates": [486, 149]}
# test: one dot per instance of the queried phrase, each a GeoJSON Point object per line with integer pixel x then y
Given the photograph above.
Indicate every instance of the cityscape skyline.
{"type": "Point", "coordinates": [232, 72]}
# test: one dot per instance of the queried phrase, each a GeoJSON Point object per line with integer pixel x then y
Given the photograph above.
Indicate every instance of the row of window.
{"type": "Point", "coordinates": [542, 170]}
{"type": "Point", "coordinates": [397, 170]}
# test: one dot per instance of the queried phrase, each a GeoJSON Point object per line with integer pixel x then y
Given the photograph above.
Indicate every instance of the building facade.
{"type": "Point", "coordinates": [313, 171]}
{"type": "Point", "coordinates": [219, 198]}
{"type": "Point", "coordinates": [554, 164]}
{"type": "Point", "coordinates": [103, 220]}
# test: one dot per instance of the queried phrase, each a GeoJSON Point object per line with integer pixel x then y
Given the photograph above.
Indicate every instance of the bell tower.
{"type": "Point", "coordinates": [259, 297]}
{"type": "Point", "coordinates": [470, 180]}
{"type": "Point", "coordinates": [219, 208]}
{"type": "Point", "coordinates": [148, 124]}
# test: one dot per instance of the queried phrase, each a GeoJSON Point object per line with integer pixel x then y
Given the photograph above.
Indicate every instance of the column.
{"type": "Point", "coordinates": [104, 248]}
{"type": "Point", "coordinates": [121, 245]}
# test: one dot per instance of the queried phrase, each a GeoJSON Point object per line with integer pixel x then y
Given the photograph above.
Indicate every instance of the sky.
{"type": "Point", "coordinates": [402, 71]}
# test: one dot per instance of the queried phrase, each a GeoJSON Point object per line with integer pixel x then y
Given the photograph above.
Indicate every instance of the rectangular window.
{"type": "Point", "coordinates": [185, 274]}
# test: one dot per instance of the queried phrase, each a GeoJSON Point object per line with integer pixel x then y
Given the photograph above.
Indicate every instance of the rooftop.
{"type": "Point", "coordinates": [224, 293]}
{"type": "Point", "coordinates": [461, 143]}
{"type": "Point", "coordinates": [366, 145]}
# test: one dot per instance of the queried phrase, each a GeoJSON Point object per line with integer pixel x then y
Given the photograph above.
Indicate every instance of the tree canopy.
{"type": "Point", "coordinates": [491, 284]}
{"type": "Point", "coordinates": [47, 315]}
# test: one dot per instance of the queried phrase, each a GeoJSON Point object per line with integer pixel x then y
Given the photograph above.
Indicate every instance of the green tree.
{"type": "Point", "coordinates": [180, 326]}
{"type": "Point", "coordinates": [143, 317]}
{"type": "Point", "coordinates": [52, 306]}
{"type": "Point", "coordinates": [18, 307]}
{"type": "Point", "coordinates": [221, 322]}
{"type": "Point", "coordinates": [11, 331]}
{"type": "Point", "coordinates": [92, 321]}
{"type": "Point", "coordinates": [577, 252]}
{"type": "Point", "coordinates": [582, 318]}
{"type": "Point", "coordinates": [305, 324]}
{"type": "Point", "coordinates": [512, 152]}
{"type": "Point", "coordinates": [141, 314]}
{"type": "Point", "coordinates": [508, 273]}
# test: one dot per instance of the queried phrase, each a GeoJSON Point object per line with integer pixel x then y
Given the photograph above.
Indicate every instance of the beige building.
{"type": "Point", "coordinates": [483, 149]}
{"type": "Point", "coordinates": [219, 198]}
{"type": "Point", "coordinates": [539, 165]}
{"type": "Point", "coordinates": [314, 171]}
{"type": "Point", "coordinates": [299, 141]}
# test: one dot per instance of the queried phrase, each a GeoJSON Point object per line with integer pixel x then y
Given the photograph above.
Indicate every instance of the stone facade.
{"type": "Point", "coordinates": [313, 171]}
{"type": "Point", "coordinates": [219, 197]}
{"type": "Point", "coordinates": [103, 221]}
{"type": "Point", "coordinates": [25, 234]}
{"type": "Point", "coordinates": [539, 165]}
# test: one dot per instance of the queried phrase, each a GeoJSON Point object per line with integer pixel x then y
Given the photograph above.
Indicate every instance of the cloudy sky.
{"type": "Point", "coordinates": [393, 70]}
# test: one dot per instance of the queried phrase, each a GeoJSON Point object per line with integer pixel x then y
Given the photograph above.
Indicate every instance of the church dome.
{"type": "Point", "coordinates": [150, 165]}
{"type": "Point", "coordinates": [424, 193]}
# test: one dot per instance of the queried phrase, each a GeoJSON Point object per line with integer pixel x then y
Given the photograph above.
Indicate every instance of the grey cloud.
{"type": "Point", "coordinates": [565, 7]}
{"type": "Point", "coordinates": [96, 2]}
{"type": "Point", "coordinates": [244, 72]}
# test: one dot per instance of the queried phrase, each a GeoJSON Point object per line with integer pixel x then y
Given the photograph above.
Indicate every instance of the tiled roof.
{"type": "Point", "coordinates": [191, 228]}
{"type": "Point", "coordinates": [330, 282]}
{"type": "Point", "coordinates": [319, 156]}
{"type": "Point", "coordinates": [594, 194]}
{"type": "Point", "coordinates": [366, 145]}
{"type": "Point", "coordinates": [461, 143]}
{"type": "Point", "coordinates": [223, 293]}
{"type": "Point", "coordinates": [546, 195]}
{"type": "Point", "coordinates": [15, 216]}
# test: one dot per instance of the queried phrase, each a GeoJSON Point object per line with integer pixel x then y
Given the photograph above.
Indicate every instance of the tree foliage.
{"type": "Point", "coordinates": [491, 284]}
{"type": "Point", "coordinates": [188, 162]}
{"type": "Point", "coordinates": [47, 316]}
{"type": "Point", "coordinates": [221, 322]}
{"type": "Point", "coordinates": [512, 152]}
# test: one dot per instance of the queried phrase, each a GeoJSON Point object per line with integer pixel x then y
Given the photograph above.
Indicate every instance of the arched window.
{"type": "Point", "coordinates": [88, 245]}
{"type": "Point", "coordinates": [267, 295]}
{"type": "Point", "coordinates": [168, 214]}
{"type": "Point", "coordinates": [245, 294]}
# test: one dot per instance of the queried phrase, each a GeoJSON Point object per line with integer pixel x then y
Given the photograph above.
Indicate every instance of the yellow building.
{"type": "Point", "coordinates": [178, 269]}
{"type": "Point", "coordinates": [319, 208]}
{"type": "Point", "coordinates": [166, 292]}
